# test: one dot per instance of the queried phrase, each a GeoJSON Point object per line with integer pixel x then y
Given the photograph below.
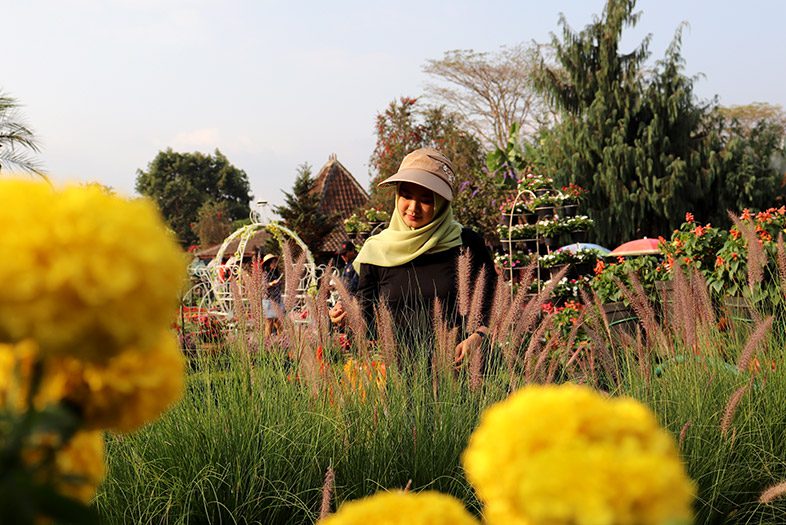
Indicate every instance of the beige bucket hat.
{"type": "Point", "coordinates": [426, 167]}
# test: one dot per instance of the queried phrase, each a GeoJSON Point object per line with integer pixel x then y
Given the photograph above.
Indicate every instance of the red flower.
{"type": "Point", "coordinates": [599, 267]}
{"type": "Point", "coordinates": [719, 261]}
{"type": "Point", "coordinates": [689, 217]}
{"type": "Point", "coordinates": [699, 231]}
{"type": "Point", "coordinates": [746, 215]}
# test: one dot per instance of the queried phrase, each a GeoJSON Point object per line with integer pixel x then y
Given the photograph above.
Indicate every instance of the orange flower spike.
{"type": "Point", "coordinates": [689, 217]}
{"type": "Point", "coordinates": [746, 215]}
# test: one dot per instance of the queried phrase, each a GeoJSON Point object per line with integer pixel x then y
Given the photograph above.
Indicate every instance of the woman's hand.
{"type": "Point", "coordinates": [466, 347]}
{"type": "Point", "coordinates": [337, 314]}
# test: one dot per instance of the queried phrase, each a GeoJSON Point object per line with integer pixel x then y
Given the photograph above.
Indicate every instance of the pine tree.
{"type": "Point", "coordinates": [301, 211]}
{"type": "Point", "coordinates": [635, 139]}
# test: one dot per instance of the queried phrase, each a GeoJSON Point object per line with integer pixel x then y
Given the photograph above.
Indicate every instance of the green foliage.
{"type": "Point", "coordinates": [505, 164]}
{"type": "Point", "coordinates": [251, 443]}
{"type": "Point", "coordinates": [403, 127]}
{"type": "Point", "coordinates": [750, 166]}
{"type": "Point", "coordinates": [180, 183]}
{"type": "Point", "coordinates": [608, 277]}
{"type": "Point", "coordinates": [638, 140]}
{"type": "Point", "coordinates": [17, 140]}
{"type": "Point", "coordinates": [302, 211]}
{"type": "Point", "coordinates": [213, 224]}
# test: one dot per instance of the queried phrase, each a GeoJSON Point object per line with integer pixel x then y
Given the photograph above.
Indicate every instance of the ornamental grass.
{"type": "Point", "coordinates": [264, 420]}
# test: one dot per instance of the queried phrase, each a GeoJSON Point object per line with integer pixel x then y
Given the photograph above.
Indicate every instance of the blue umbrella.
{"type": "Point", "coordinates": [573, 248]}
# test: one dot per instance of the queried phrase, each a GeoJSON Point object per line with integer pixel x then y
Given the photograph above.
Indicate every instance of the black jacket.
{"type": "Point", "coordinates": [410, 289]}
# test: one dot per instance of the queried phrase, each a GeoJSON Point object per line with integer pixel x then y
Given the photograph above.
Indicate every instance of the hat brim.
{"type": "Point", "coordinates": [422, 178]}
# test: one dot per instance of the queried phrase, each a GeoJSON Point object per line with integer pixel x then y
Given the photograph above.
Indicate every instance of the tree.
{"type": "Point", "coordinates": [302, 212]}
{"type": "Point", "coordinates": [491, 92]}
{"type": "Point", "coordinates": [635, 138]}
{"type": "Point", "coordinates": [17, 141]}
{"type": "Point", "coordinates": [180, 183]}
{"type": "Point", "coordinates": [403, 127]}
{"type": "Point", "coordinates": [750, 164]}
{"type": "Point", "coordinates": [212, 224]}
{"type": "Point", "coordinates": [750, 116]}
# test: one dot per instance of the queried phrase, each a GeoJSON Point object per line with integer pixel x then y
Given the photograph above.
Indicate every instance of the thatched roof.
{"type": "Point", "coordinates": [340, 194]}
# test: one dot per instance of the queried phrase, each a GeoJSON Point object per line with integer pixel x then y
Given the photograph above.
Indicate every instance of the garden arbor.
{"type": "Point", "coordinates": [219, 282]}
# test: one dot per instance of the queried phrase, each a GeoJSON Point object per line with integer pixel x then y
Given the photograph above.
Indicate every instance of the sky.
{"type": "Point", "coordinates": [107, 84]}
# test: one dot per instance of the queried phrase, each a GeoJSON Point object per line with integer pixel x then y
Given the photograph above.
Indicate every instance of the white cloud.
{"type": "Point", "coordinates": [197, 139]}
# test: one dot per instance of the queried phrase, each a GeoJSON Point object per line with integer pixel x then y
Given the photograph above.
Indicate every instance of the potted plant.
{"type": "Point", "coordinates": [535, 183]}
{"type": "Point", "coordinates": [515, 260]}
{"type": "Point", "coordinates": [571, 194]}
{"type": "Point", "coordinates": [352, 224]}
{"type": "Point", "coordinates": [729, 279]}
{"type": "Point", "coordinates": [544, 205]}
{"type": "Point", "coordinates": [376, 217]}
{"type": "Point", "coordinates": [554, 262]}
{"type": "Point", "coordinates": [577, 227]}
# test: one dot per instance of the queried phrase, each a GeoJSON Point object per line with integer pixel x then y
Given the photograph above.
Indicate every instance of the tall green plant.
{"type": "Point", "coordinates": [632, 138]}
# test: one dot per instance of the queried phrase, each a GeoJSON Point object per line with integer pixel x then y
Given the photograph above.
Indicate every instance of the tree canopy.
{"type": "Point", "coordinates": [181, 183]}
{"type": "Point", "coordinates": [633, 135]}
{"type": "Point", "coordinates": [491, 92]}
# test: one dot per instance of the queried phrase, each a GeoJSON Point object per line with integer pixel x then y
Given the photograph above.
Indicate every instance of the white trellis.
{"type": "Point", "coordinates": [214, 289]}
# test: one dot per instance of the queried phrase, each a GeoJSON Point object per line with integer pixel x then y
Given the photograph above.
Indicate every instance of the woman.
{"type": "Point", "coordinates": [272, 308]}
{"type": "Point", "coordinates": [414, 260]}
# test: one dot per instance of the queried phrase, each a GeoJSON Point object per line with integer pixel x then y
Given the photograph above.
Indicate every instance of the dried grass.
{"type": "Point", "coordinates": [463, 276]}
{"type": "Point", "coordinates": [755, 340]}
{"type": "Point", "coordinates": [772, 493]}
{"type": "Point", "coordinates": [731, 409]}
{"type": "Point", "coordinates": [757, 259]}
{"type": "Point", "coordinates": [327, 492]}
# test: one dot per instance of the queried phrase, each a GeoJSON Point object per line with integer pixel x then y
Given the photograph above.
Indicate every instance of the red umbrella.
{"type": "Point", "coordinates": [643, 246]}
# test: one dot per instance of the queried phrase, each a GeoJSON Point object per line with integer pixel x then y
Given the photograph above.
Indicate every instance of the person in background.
{"type": "Point", "coordinates": [414, 260]}
{"type": "Point", "coordinates": [349, 276]}
{"type": "Point", "coordinates": [272, 306]}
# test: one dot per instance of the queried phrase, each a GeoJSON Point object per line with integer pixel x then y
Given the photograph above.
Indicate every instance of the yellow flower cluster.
{"type": "Point", "coordinates": [128, 390]}
{"type": "Point", "coordinates": [569, 455]}
{"type": "Point", "coordinates": [400, 508]}
{"type": "Point", "coordinates": [85, 273]}
{"type": "Point", "coordinates": [90, 286]}
{"type": "Point", "coordinates": [78, 465]}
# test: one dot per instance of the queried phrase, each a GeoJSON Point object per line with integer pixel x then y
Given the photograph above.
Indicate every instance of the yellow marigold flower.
{"type": "Point", "coordinates": [400, 508]}
{"type": "Point", "coordinates": [569, 455]}
{"type": "Point", "coordinates": [77, 467]}
{"type": "Point", "coordinates": [80, 466]}
{"type": "Point", "coordinates": [85, 272]}
{"type": "Point", "coordinates": [130, 389]}
{"type": "Point", "coordinates": [16, 367]}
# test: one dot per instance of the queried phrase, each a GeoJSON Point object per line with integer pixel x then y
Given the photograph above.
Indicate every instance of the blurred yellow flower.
{"type": "Point", "coordinates": [74, 469]}
{"type": "Point", "coordinates": [80, 466]}
{"type": "Point", "coordinates": [130, 389]}
{"type": "Point", "coordinates": [400, 508]}
{"type": "Point", "coordinates": [16, 368]}
{"type": "Point", "coordinates": [121, 394]}
{"type": "Point", "coordinates": [85, 272]}
{"type": "Point", "coordinates": [569, 455]}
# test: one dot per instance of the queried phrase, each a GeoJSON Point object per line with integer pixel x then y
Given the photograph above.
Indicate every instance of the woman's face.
{"type": "Point", "coordinates": [415, 204]}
